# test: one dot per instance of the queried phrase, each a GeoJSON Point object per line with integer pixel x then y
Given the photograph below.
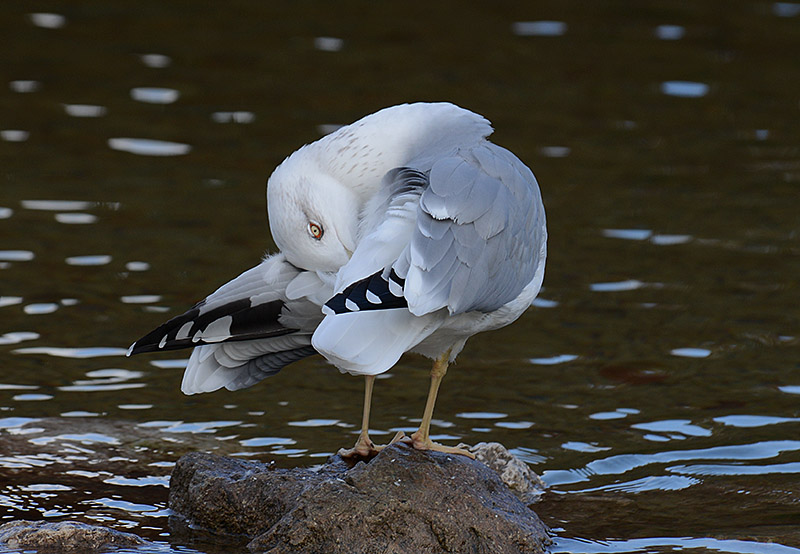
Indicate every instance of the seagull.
{"type": "Point", "coordinates": [406, 231]}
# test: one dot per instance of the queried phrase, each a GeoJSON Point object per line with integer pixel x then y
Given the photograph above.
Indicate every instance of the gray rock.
{"type": "Point", "coordinates": [515, 473]}
{"type": "Point", "coordinates": [402, 501]}
{"type": "Point", "coordinates": [63, 536]}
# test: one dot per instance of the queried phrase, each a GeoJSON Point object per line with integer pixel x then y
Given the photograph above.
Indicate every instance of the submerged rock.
{"type": "Point", "coordinates": [402, 501]}
{"type": "Point", "coordinates": [63, 536]}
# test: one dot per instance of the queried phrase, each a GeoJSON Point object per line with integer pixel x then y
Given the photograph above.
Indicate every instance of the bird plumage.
{"type": "Point", "coordinates": [404, 231]}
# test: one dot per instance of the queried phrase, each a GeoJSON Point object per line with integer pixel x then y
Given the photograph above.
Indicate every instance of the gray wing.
{"type": "Point", "coordinates": [480, 233]}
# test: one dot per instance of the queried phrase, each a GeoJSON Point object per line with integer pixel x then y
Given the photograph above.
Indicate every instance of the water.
{"type": "Point", "coordinates": [655, 384]}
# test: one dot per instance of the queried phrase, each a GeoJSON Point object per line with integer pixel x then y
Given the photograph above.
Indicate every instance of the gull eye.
{"type": "Point", "coordinates": [315, 230]}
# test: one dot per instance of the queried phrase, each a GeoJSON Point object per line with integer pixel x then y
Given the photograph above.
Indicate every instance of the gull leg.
{"type": "Point", "coordinates": [421, 439]}
{"type": "Point", "coordinates": [364, 446]}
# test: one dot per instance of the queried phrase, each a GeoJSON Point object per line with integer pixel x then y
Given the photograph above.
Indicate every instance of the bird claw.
{"type": "Point", "coordinates": [425, 443]}
{"type": "Point", "coordinates": [365, 449]}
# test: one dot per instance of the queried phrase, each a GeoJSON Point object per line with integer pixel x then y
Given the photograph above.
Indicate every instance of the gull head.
{"type": "Point", "coordinates": [313, 217]}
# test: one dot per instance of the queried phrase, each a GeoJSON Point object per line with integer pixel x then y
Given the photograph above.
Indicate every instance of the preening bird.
{"type": "Point", "coordinates": [406, 231]}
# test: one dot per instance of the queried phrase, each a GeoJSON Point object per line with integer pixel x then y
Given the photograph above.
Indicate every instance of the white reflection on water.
{"type": "Point", "coordinates": [155, 60]}
{"type": "Point", "coordinates": [155, 95]}
{"type": "Point", "coordinates": [646, 234]}
{"type": "Point", "coordinates": [170, 364]}
{"type": "Point", "coordinates": [14, 135]}
{"type": "Point", "coordinates": [681, 426]}
{"type": "Point", "coordinates": [148, 147]}
{"type": "Point", "coordinates": [622, 463]}
{"type": "Point", "coordinates": [578, 446]}
{"type": "Point", "coordinates": [747, 421]}
{"type": "Point", "coordinates": [10, 300]}
{"type": "Point", "coordinates": [146, 481]}
{"type": "Point", "coordinates": [40, 308]}
{"type": "Point", "coordinates": [481, 415]}
{"type": "Point", "coordinates": [617, 286]}
{"type": "Point", "coordinates": [141, 299]}
{"type": "Point", "coordinates": [328, 44]}
{"type": "Point", "coordinates": [137, 266]}
{"type": "Point", "coordinates": [654, 544]}
{"type": "Point", "coordinates": [670, 32]}
{"type": "Point", "coordinates": [553, 360]}
{"type": "Point", "coordinates": [619, 413]}
{"type": "Point", "coordinates": [82, 438]}
{"type": "Point", "coordinates": [691, 352]}
{"type": "Point", "coordinates": [56, 205]}
{"type": "Point", "coordinates": [539, 28]}
{"type": "Point", "coordinates": [786, 9]}
{"type": "Point", "coordinates": [78, 353]}
{"type": "Point", "coordinates": [124, 505]}
{"type": "Point", "coordinates": [84, 110]}
{"type": "Point", "coordinates": [16, 255]}
{"type": "Point", "coordinates": [555, 151]}
{"type": "Point", "coordinates": [96, 259]}
{"type": "Point", "coordinates": [33, 397]}
{"type": "Point", "coordinates": [78, 218]}
{"type": "Point", "coordinates": [651, 483]}
{"type": "Point", "coordinates": [685, 89]}
{"type": "Point", "coordinates": [737, 469]}
{"type": "Point", "coordinates": [628, 234]}
{"type": "Point", "coordinates": [233, 117]}
{"type": "Point", "coordinates": [314, 423]}
{"type": "Point", "coordinates": [24, 85]}
{"type": "Point", "coordinates": [268, 441]}
{"type": "Point", "coordinates": [5, 213]}
{"type": "Point", "coordinates": [190, 427]}
{"type": "Point", "coordinates": [48, 20]}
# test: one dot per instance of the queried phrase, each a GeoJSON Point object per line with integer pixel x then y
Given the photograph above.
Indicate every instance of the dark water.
{"type": "Point", "coordinates": [656, 383]}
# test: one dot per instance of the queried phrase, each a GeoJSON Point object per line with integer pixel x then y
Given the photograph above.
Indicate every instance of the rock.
{"type": "Point", "coordinates": [402, 501]}
{"type": "Point", "coordinates": [515, 473]}
{"type": "Point", "coordinates": [63, 536]}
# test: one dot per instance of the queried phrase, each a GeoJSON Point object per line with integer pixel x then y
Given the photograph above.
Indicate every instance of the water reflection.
{"type": "Point", "coordinates": [233, 117]}
{"type": "Point", "coordinates": [16, 255]}
{"type": "Point", "coordinates": [155, 95]}
{"type": "Point", "coordinates": [84, 110]}
{"type": "Point", "coordinates": [586, 546]}
{"type": "Point", "coordinates": [670, 32]}
{"type": "Point", "coordinates": [56, 205]}
{"type": "Point", "coordinates": [48, 20]}
{"type": "Point", "coordinates": [156, 60]}
{"type": "Point", "coordinates": [24, 85]}
{"type": "Point", "coordinates": [539, 28]}
{"type": "Point", "coordinates": [328, 44]}
{"type": "Point", "coordinates": [14, 135]}
{"type": "Point", "coordinates": [149, 147]}
{"type": "Point", "coordinates": [685, 89]}
{"type": "Point", "coordinates": [786, 9]}
{"type": "Point", "coordinates": [76, 218]}
{"type": "Point", "coordinates": [77, 353]}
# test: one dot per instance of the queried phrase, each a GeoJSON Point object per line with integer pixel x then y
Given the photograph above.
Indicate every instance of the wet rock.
{"type": "Point", "coordinates": [402, 501]}
{"type": "Point", "coordinates": [63, 536]}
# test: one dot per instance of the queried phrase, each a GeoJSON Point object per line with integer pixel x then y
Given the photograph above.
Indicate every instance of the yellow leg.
{"type": "Point", "coordinates": [364, 446]}
{"type": "Point", "coordinates": [421, 439]}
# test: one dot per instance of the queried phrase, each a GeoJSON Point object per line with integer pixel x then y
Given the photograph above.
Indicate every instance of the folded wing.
{"type": "Point", "coordinates": [246, 330]}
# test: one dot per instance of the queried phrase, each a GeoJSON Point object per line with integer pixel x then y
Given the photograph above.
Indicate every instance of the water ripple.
{"type": "Point", "coordinates": [656, 544]}
{"type": "Point", "coordinates": [148, 147]}
{"type": "Point", "coordinates": [539, 28]}
{"type": "Point", "coordinates": [77, 353]}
